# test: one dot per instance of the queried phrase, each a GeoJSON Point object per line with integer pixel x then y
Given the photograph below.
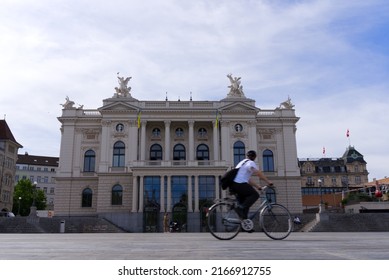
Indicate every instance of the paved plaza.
{"type": "Point", "coordinates": [196, 246]}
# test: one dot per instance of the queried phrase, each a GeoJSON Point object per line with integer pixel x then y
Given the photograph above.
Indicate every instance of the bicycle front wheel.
{"type": "Point", "coordinates": [222, 221]}
{"type": "Point", "coordinates": [276, 221]}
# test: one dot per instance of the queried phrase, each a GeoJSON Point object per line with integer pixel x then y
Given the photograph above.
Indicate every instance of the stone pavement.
{"type": "Point", "coordinates": [195, 246]}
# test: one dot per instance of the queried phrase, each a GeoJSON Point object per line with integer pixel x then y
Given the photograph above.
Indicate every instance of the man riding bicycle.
{"type": "Point", "coordinates": [244, 185]}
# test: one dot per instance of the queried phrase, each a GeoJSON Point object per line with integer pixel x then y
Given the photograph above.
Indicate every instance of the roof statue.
{"type": "Point", "coordinates": [236, 89]}
{"type": "Point", "coordinates": [123, 90]}
{"type": "Point", "coordinates": [286, 104]}
{"type": "Point", "coordinates": [68, 104]}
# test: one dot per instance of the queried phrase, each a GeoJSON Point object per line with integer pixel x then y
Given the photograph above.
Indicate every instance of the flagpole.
{"type": "Point", "coordinates": [138, 124]}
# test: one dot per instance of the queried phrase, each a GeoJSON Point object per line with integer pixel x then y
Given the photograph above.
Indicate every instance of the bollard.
{"type": "Point", "coordinates": [62, 226]}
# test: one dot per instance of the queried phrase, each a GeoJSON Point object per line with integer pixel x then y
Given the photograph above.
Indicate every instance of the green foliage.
{"type": "Point", "coordinates": [355, 197]}
{"type": "Point", "coordinates": [27, 192]}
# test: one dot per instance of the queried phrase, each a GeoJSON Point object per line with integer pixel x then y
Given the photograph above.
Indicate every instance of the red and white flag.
{"type": "Point", "coordinates": [324, 150]}
{"type": "Point", "coordinates": [348, 133]}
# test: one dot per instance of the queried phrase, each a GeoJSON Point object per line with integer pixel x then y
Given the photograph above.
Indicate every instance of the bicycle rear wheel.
{"type": "Point", "coordinates": [222, 221]}
{"type": "Point", "coordinates": [276, 221]}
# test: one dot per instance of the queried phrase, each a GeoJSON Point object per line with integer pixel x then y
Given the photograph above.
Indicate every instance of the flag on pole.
{"type": "Point", "coordinates": [139, 119]}
{"type": "Point", "coordinates": [217, 119]}
{"type": "Point", "coordinates": [324, 150]}
{"type": "Point", "coordinates": [348, 133]}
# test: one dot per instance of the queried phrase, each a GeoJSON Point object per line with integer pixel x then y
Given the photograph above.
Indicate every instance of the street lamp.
{"type": "Point", "coordinates": [33, 207]}
{"type": "Point", "coordinates": [321, 193]}
{"type": "Point", "coordinates": [320, 181]}
{"type": "Point", "coordinates": [33, 193]}
{"type": "Point", "coordinates": [20, 199]}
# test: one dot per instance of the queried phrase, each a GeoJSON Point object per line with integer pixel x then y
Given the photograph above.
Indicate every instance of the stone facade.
{"type": "Point", "coordinates": [131, 160]}
{"type": "Point", "coordinates": [8, 156]}
{"type": "Point", "coordinates": [40, 170]}
{"type": "Point", "coordinates": [329, 179]}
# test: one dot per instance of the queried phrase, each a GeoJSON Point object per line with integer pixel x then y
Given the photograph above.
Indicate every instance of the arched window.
{"type": "Point", "coordinates": [179, 152]}
{"type": "Point", "coordinates": [89, 161]}
{"type": "Point", "coordinates": [117, 195]}
{"type": "Point", "coordinates": [86, 198]}
{"type": "Point", "coordinates": [239, 152]}
{"type": "Point", "coordinates": [268, 161]}
{"type": "Point", "coordinates": [202, 152]}
{"type": "Point", "coordinates": [156, 152]}
{"type": "Point", "coordinates": [118, 154]}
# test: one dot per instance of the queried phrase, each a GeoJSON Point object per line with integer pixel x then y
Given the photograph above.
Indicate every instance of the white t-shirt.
{"type": "Point", "coordinates": [247, 168]}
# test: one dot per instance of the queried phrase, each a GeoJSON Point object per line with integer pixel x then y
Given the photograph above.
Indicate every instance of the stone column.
{"type": "Point", "coordinates": [133, 138]}
{"type": "Point", "coordinates": [105, 147]}
{"type": "Point", "coordinates": [252, 135]}
{"type": "Point", "coordinates": [141, 194]}
{"type": "Point", "coordinates": [196, 194]}
{"type": "Point", "coordinates": [225, 135]}
{"type": "Point", "coordinates": [215, 141]}
{"type": "Point", "coordinates": [143, 141]}
{"type": "Point", "coordinates": [134, 194]}
{"type": "Point", "coordinates": [169, 194]}
{"type": "Point", "coordinates": [191, 141]}
{"type": "Point", "coordinates": [162, 193]}
{"type": "Point", "coordinates": [167, 140]}
{"type": "Point", "coordinates": [217, 187]}
{"type": "Point", "coordinates": [190, 198]}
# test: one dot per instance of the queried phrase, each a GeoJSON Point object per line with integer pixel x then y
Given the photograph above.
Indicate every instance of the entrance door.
{"type": "Point", "coordinates": [179, 215]}
{"type": "Point", "coordinates": [150, 217]}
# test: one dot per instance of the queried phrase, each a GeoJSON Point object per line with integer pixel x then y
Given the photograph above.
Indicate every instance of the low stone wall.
{"type": "Point", "coordinates": [57, 225]}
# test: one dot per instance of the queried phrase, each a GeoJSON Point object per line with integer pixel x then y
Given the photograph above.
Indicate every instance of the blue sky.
{"type": "Point", "coordinates": [330, 57]}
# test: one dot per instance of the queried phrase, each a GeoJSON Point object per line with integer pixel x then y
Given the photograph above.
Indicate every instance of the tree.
{"type": "Point", "coordinates": [28, 194]}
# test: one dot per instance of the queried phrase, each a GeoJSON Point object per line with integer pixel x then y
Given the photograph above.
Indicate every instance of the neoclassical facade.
{"type": "Point", "coordinates": [130, 161]}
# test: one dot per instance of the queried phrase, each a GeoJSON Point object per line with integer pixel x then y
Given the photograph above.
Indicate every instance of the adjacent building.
{"type": "Point", "coordinates": [132, 160]}
{"type": "Point", "coordinates": [8, 156]}
{"type": "Point", "coordinates": [326, 180]}
{"type": "Point", "coordinates": [40, 170]}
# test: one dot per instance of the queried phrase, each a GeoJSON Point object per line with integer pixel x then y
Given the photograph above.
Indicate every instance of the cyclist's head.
{"type": "Point", "coordinates": [251, 155]}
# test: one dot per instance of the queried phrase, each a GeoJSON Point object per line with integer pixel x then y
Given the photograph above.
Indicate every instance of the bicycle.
{"type": "Point", "coordinates": [224, 223]}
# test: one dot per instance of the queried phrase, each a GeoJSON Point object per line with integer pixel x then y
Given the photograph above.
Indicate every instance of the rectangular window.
{"type": "Point", "coordinates": [206, 188]}
{"type": "Point", "coordinates": [152, 186]}
{"type": "Point", "coordinates": [179, 189]}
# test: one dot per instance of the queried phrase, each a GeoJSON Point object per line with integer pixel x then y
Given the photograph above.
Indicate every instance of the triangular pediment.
{"type": "Point", "coordinates": [239, 106]}
{"type": "Point", "coordinates": [118, 106]}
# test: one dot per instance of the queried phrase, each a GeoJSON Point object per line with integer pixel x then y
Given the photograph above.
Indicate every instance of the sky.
{"type": "Point", "coordinates": [330, 57]}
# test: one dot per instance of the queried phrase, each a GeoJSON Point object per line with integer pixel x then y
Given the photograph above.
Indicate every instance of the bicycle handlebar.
{"type": "Point", "coordinates": [265, 187]}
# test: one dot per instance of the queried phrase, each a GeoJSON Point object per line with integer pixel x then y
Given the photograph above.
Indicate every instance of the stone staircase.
{"type": "Point", "coordinates": [361, 222]}
{"type": "Point", "coordinates": [53, 225]}
{"type": "Point", "coordinates": [20, 225]}
{"type": "Point", "coordinates": [342, 222]}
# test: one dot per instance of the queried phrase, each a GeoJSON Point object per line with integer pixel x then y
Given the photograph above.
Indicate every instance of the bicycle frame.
{"type": "Point", "coordinates": [263, 204]}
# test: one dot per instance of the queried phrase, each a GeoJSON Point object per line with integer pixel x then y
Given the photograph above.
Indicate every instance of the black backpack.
{"type": "Point", "coordinates": [228, 177]}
